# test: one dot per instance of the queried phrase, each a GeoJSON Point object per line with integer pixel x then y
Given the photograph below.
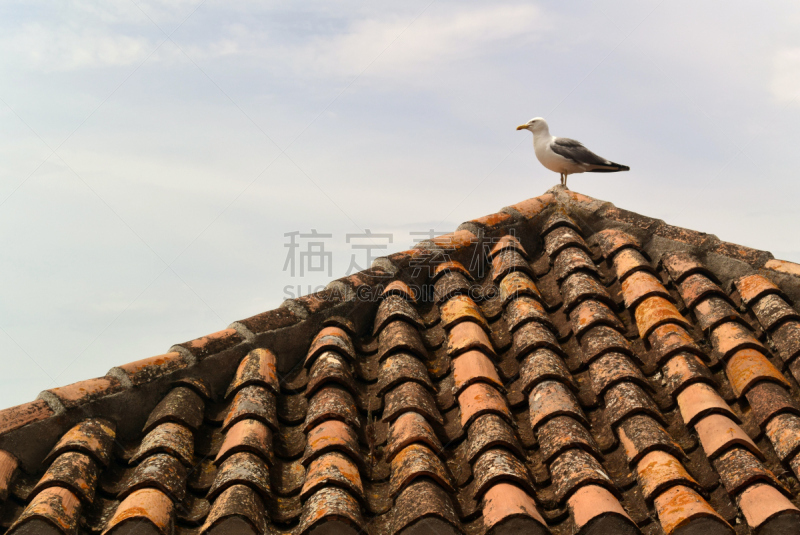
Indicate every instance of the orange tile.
{"type": "Point", "coordinates": [733, 336]}
{"type": "Point", "coordinates": [332, 469]}
{"type": "Point", "coordinates": [246, 435]}
{"type": "Point", "coordinates": [641, 285]}
{"type": "Point", "coordinates": [461, 308]}
{"type": "Point", "coordinates": [20, 415]}
{"type": "Point", "coordinates": [754, 287]}
{"type": "Point", "coordinates": [468, 335]}
{"type": "Point", "coordinates": [533, 207]}
{"type": "Point", "coordinates": [86, 391]}
{"type": "Point", "coordinates": [450, 266]}
{"type": "Point", "coordinates": [595, 505]}
{"type": "Point", "coordinates": [658, 471]}
{"type": "Point", "coordinates": [148, 505]}
{"type": "Point", "coordinates": [213, 343]}
{"type": "Point", "coordinates": [507, 242]}
{"type": "Point", "coordinates": [614, 240]}
{"type": "Point", "coordinates": [258, 367]}
{"type": "Point", "coordinates": [480, 399]}
{"type": "Point", "coordinates": [783, 266]}
{"type": "Point", "coordinates": [698, 400]}
{"type": "Point", "coordinates": [8, 464]}
{"type": "Point", "coordinates": [55, 506]}
{"type": "Point", "coordinates": [94, 437]}
{"type": "Point", "coordinates": [504, 501]}
{"type": "Point", "coordinates": [629, 261]}
{"type": "Point", "coordinates": [400, 288]}
{"type": "Point", "coordinates": [146, 370]}
{"type": "Point", "coordinates": [748, 367]}
{"type": "Point", "coordinates": [719, 433]}
{"type": "Point", "coordinates": [763, 505]}
{"type": "Point", "coordinates": [655, 311]}
{"type": "Point", "coordinates": [680, 507]}
{"type": "Point", "coordinates": [455, 241]}
{"type": "Point", "coordinates": [474, 367]}
{"type": "Point", "coordinates": [550, 399]}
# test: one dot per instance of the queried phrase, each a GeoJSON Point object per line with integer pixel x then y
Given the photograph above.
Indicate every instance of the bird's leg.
{"type": "Point", "coordinates": [562, 179]}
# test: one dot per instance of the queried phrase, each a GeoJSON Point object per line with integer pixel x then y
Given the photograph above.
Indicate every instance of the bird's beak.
{"type": "Point", "coordinates": [522, 127]}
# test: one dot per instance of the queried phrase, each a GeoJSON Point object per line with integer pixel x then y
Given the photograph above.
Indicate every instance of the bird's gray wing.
{"type": "Point", "coordinates": [575, 151]}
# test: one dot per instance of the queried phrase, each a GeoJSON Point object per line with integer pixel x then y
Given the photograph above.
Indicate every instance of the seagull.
{"type": "Point", "coordinates": [564, 155]}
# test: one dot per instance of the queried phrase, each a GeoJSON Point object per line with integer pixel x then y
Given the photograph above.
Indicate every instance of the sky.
{"type": "Point", "coordinates": [157, 159]}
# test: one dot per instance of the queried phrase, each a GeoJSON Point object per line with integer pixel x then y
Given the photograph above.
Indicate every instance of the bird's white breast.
{"type": "Point", "coordinates": [551, 160]}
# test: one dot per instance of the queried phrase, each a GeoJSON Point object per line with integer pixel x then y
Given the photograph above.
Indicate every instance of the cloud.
{"type": "Point", "coordinates": [785, 84]}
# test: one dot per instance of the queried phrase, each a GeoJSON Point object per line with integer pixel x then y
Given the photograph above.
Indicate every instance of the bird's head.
{"type": "Point", "coordinates": [535, 125]}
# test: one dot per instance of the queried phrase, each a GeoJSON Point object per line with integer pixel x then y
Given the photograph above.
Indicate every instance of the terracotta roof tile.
{"type": "Point", "coordinates": [386, 428]}
{"type": "Point", "coordinates": [784, 433]}
{"type": "Point", "coordinates": [613, 368]}
{"type": "Point", "coordinates": [754, 287]}
{"type": "Point", "coordinates": [772, 310]}
{"type": "Point", "coordinates": [612, 241]}
{"type": "Point", "coordinates": [171, 438]}
{"type": "Point", "coordinates": [731, 337]}
{"type": "Point", "coordinates": [591, 313]}
{"type": "Point", "coordinates": [738, 469]}
{"type": "Point", "coordinates": [508, 505]}
{"type": "Point", "coordinates": [509, 261]}
{"type": "Point", "coordinates": [332, 469]}
{"type": "Point", "coordinates": [161, 471]}
{"type": "Point", "coordinates": [56, 506]}
{"type": "Point", "coordinates": [474, 367]}
{"type": "Point", "coordinates": [767, 399]}
{"type": "Point", "coordinates": [93, 437]}
{"type": "Point", "coordinates": [479, 399]}
{"type": "Point", "coordinates": [563, 433]}
{"type": "Point", "coordinates": [641, 285]}
{"type": "Point", "coordinates": [600, 340]}
{"type": "Point", "coordinates": [657, 471]}
{"type": "Point", "coordinates": [787, 341]}
{"type": "Point", "coordinates": [542, 365]}
{"type": "Point", "coordinates": [330, 368]}
{"type": "Point", "coordinates": [331, 403]}
{"type": "Point", "coordinates": [461, 308]}
{"type": "Point", "coordinates": [414, 462]}
{"type": "Point", "coordinates": [630, 261]}
{"type": "Point", "coordinates": [699, 400]}
{"type": "Point", "coordinates": [237, 508]}
{"type": "Point", "coordinates": [150, 506]}
{"type": "Point", "coordinates": [533, 336]}
{"type": "Point", "coordinates": [576, 468]}
{"type": "Point", "coordinates": [596, 511]}
{"type": "Point", "coordinates": [330, 339]}
{"type": "Point", "coordinates": [681, 509]}
{"type": "Point", "coordinates": [400, 336]}
{"type": "Point", "coordinates": [517, 284]}
{"type": "Point", "coordinates": [467, 336]}
{"type": "Point", "coordinates": [401, 289]}
{"type": "Point", "coordinates": [641, 435]}
{"type": "Point", "coordinates": [523, 310]}
{"type": "Point", "coordinates": [407, 429]}
{"type": "Point", "coordinates": [684, 369]}
{"type": "Point", "coordinates": [491, 431]}
{"type": "Point", "coordinates": [450, 266]}
{"type": "Point", "coordinates": [768, 511]}
{"type": "Point", "coordinates": [496, 465]}
{"type": "Point", "coordinates": [402, 367]}
{"type": "Point", "coordinates": [656, 311]}
{"type": "Point", "coordinates": [714, 311]}
{"type": "Point", "coordinates": [422, 499]}
{"type": "Point", "coordinates": [561, 238]}
{"type": "Point", "coordinates": [669, 339]}
{"type": "Point", "coordinates": [257, 368]}
{"type": "Point", "coordinates": [411, 397]}
{"type": "Point", "coordinates": [395, 308]}
{"type": "Point", "coordinates": [246, 435]}
{"type": "Point", "coordinates": [181, 405]}
{"type": "Point", "coordinates": [580, 287]}
{"type": "Point", "coordinates": [748, 367]}
{"type": "Point", "coordinates": [252, 402]}
{"type": "Point", "coordinates": [719, 433]}
{"type": "Point", "coordinates": [572, 260]}
{"type": "Point", "coordinates": [550, 399]}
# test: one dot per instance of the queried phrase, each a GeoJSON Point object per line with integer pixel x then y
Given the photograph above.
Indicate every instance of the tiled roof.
{"type": "Point", "coordinates": [563, 366]}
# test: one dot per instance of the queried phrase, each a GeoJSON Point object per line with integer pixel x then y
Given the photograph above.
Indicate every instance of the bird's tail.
{"type": "Point", "coordinates": [610, 167]}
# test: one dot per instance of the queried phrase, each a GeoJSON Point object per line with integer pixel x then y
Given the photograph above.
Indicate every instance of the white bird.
{"type": "Point", "coordinates": [566, 156]}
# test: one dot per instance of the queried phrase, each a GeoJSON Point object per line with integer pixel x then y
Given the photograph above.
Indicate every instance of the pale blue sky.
{"type": "Point", "coordinates": [153, 155]}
